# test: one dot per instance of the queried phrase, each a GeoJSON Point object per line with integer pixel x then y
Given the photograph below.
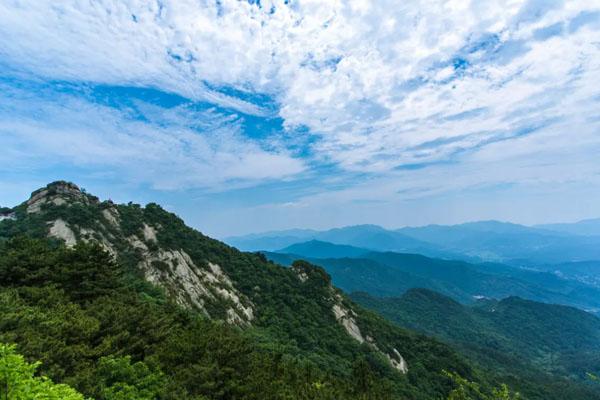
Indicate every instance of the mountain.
{"type": "Point", "coordinates": [507, 333]}
{"type": "Point", "coordinates": [475, 242]}
{"type": "Point", "coordinates": [493, 280]}
{"type": "Point", "coordinates": [371, 237]}
{"type": "Point", "coordinates": [391, 274]}
{"type": "Point", "coordinates": [268, 243]}
{"type": "Point", "coordinates": [320, 249]}
{"type": "Point", "coordinates": [123, 301]}
{"type": "Point", "coordinates": [586, 272]}
{"type": "Point", "coordinates": [505, 242]}
{"type": "Point", "coordinates": [588, 227]}
{"type": "Point", "coordinates": [94, 289]}
{"type": "Point", "coordinates": [362, 274]}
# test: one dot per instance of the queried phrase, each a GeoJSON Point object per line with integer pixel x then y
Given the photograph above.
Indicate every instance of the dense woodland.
{"type": "Point", "coordinates": [111, 336]}
{"type": "Point", "coordinates": [80, 313]}
{"type": "Point", "coordinates": [535, 343]}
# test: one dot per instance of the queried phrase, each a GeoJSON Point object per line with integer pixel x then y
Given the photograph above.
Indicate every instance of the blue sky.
{"type": "Point", "coordinates": [253, 116]}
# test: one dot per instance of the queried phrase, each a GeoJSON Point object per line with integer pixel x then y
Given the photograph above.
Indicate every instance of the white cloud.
{"type": "Point", "coordinates": [166, 152]}
{"type": "Point", "coordinates": [381, 83]}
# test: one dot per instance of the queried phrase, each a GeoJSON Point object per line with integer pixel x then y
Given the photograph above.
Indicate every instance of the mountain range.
{"type": "Point", "coordinates": [126, 301]}
{"type": "Point", "coordinates": [587, 227]}
{"type": "Point", "coordinates": [494, 327]}
{"type": "Point", "coordinates": [477, 241]}
{"type": "Point", "coordinates": [122, 280]}
{"type": "Point", "coordinates": [392, 274]}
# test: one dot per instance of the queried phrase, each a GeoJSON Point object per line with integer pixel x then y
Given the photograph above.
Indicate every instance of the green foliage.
{"type": "Point", "coordinates": [296, 316]}
{"type": "Point", "coordinates": [28, 262]}
{"type": "Point", "coordinates": [532, 346]}
{"type": "Point", "coordinates": [17, 380]}
{"type": "Point", "coordinates": [123, 380]}
{"type": "Point", "coordinates": [119, 343]}
{"type": "Point", "coordinates": [99, 327]}
{"type": "Point", "coordinates": [467, 390]}
{"type": "Point", "coordinates": [390, 274]}
{"type": "Point", "coordinates": [132, 218]}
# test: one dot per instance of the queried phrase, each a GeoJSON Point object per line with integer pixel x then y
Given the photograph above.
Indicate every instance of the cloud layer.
{"type": "Point", "coordinates": [401, 99]}
{"type": "Point", "coordinates": [167, 147]}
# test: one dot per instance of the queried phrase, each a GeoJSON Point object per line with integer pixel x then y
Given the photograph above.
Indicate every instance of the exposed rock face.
{"type": "Point", "coordinates": [149, 233]}
{"type": "Point", "coordinates": [60, 230]}
{"type": "Point", "coordinates": [302, 276]}
{"type": "Point", "coordinates": [112, 216]}
{"type": "Point", "coordinates": [347, 318]}
{"type": "Point", "coordinates": [189, 283]}
{"type": "Point", "coordinates": [175, 269]}
{"type": "Point", "coordinates": [88, 235]}
{"type": "Point", "coordinates": [227, 291]}
{"type": "Point", "coordinates": [300, 272]}
{"type": "Point", "coordinates": [344, 317]}
{"type": "Point", "coordinates": [398, 361]}
{"type": "Point", "coordinates": [58, 193]}
{"type": "Point", "coordinates": [7, 216]}
{"type": "Point", "coordinates": [192, 283]}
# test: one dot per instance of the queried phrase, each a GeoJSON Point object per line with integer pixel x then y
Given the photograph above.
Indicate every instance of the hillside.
{"type": "Point", "coordinates": [362, 274]}
{"type": "Point", "coordinates": [103, 264]}
{"type": "Point", "coordinates": [511, 334]}
{"type": "Point", "coordinates": [586, 272]}
{"type": "Point", "coordinates": [320, 249]}
{"type": "Point", "coordinates": [391, 274]}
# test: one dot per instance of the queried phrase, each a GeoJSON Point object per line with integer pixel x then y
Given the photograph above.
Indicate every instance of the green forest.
{"type": "Point", "coordinates": [112, 336]}
{"type": "Point", "coordinates": [538, 344]}
{"type": "Point", "coordinates": [82, 320]}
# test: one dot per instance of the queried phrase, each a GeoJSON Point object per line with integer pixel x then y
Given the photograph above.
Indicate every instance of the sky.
{"type": "Point", "coordinates": [249, 116]}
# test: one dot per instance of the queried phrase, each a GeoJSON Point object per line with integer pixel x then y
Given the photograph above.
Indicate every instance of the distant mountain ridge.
{"type": "Point", "coordinates": [476, 241]}
{"type": "Point", "coordinates": [586, 227]}
{"type": "Point", "coordinates": [392, 274]}
{"type": "Point", "coordinates": [370, 237]}
{"type": "Point", "coordinates": [321, 249]}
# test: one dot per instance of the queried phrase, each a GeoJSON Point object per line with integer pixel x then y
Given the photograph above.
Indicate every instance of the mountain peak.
{"type": "Point", "coordinates": [60, 187]}
{"type": "Point", "coordinates": [58, 193]}
{"type": "Point", "coordinates": [320, 249]}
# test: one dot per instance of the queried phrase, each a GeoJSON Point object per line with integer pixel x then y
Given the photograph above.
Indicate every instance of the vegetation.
{"type": "Point", "coordinates": [98, 330]}
{"type": "Point", "coordinates": [298, 315]}
{"type": "Point", "coordinates": [389, 274]}
{"type": "Point", "coordinates": [466, 390]}
{"type": "Point", "coordinates": [17, 380]}
{"type": "Point", "coordinates": [532, 345]}
{"type": "Point", "coordinates": [98, 326]}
